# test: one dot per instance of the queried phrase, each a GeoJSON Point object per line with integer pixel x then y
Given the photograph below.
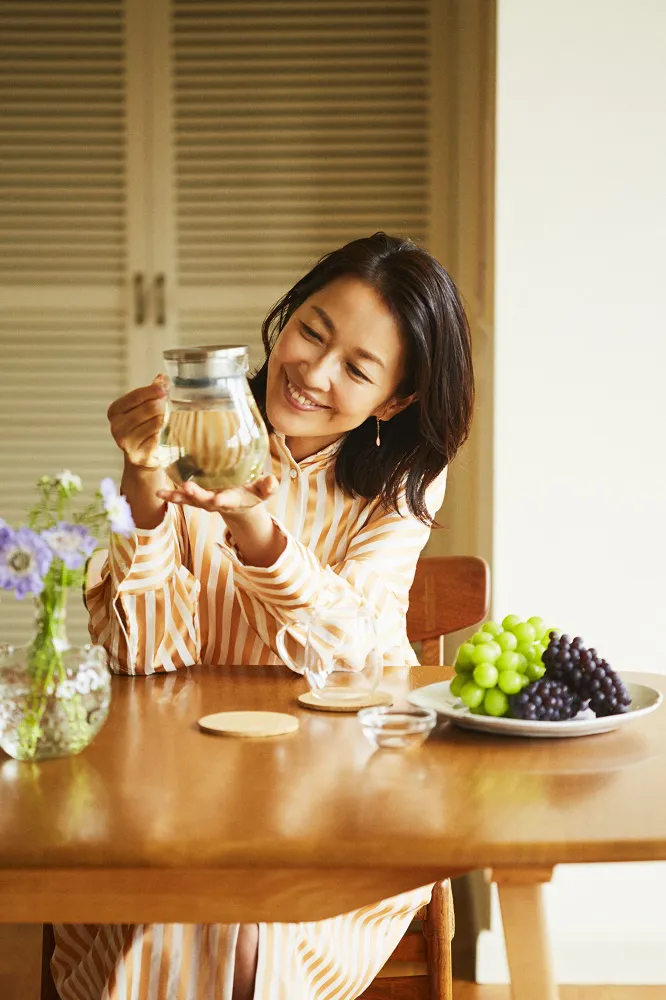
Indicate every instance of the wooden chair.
{"type": "Point", "coordinates": [449, 593]}
{"type": "Point", "coordinates": [48, 990]}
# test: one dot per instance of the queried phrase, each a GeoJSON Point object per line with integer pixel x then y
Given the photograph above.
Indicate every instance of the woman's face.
{"type": "Point", "coordinates": [338, 361]}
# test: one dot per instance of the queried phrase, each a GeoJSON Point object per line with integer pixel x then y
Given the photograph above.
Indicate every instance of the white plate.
{"type": "Point", "coordinates": [644, 700]}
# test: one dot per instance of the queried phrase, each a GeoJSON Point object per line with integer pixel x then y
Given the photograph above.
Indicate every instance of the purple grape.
{"type": "Point", "coordinates": [546, 700]}
{"type": "Point", "coordinates": [587, 675]}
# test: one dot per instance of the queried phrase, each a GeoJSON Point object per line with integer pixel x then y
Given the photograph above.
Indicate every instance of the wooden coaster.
{"type": "Point", "coordinates": [249, 723]}
{"type": "Point", "coordinates": [310, 700]}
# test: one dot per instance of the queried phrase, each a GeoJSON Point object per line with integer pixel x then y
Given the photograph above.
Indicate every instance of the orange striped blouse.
{"type": "Point", "coordinates": [178, 595]}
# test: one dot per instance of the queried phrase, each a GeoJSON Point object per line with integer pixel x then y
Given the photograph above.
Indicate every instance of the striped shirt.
{"type": "Point", "coordinates": [180, 594]}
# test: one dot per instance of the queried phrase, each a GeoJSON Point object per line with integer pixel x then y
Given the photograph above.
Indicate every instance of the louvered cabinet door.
{"type": "Point", "coordinates": [63, 267]}
{"type": "Point", "coordinates": [296, 125]}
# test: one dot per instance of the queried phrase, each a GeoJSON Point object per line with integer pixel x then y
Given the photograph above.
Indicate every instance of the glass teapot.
{"type": "Point", "coordinates": [213, 433]}
{"type": "Point", "coordinates": [342, 657]}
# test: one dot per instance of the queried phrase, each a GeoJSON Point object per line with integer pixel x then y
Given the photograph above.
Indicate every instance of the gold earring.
{"type": "Point", "coordinates": [377, 442]}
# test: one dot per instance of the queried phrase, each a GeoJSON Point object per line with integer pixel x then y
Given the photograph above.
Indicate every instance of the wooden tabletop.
{"type": "Point", "coordinates": [162, 819]}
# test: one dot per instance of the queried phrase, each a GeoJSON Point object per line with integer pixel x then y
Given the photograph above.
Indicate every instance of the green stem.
{"type": "Point", "coordinates": [45, 658]}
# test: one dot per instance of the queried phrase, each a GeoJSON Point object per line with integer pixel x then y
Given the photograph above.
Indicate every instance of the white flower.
{"type": "Point", "coordinates": [65, 690]}
{"type": "Point", "coordinates": [69, 481]}
{"type": "Point", "coordinates": [82, 682]}
{"type": "Point", "coordinates": [93, 679]}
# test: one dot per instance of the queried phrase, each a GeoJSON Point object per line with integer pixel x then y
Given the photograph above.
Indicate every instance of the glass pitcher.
{"type": "Point", "coordinates": [213, 433]}
{"type": "Point", "coordinates": [342, 658]}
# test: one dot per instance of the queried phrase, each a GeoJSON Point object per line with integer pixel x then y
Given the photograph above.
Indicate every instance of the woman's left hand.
{"type": "Point", "coordinates": [235, 501]}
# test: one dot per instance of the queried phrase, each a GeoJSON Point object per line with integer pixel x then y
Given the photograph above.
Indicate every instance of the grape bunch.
{"type": "Point", "coordinates": [528, 671]}
{"type": "Point", "coordinates": [545, 701]}
{"type": "Point", "coordinates": [498, 662]}
{"type": "Point", "coordinates": [586, 674]}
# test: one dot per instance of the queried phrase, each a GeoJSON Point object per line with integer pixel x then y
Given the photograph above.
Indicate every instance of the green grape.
{"type": "Point", "coordinates": [472, 695]}
{"type": "Point", "coordinates": [478, 710]}
{"type": "Point", "coordinates": [508, 661]}
{"type": "Point", "coordinates": [510, 681]}
{"type": "Point", "coordinates": [506, 641]}
{"type": "Point", "coordinates": [521, 666]}
{"type": "Point", "coordinates": [510, 622]}
{"type": "Point", "coordinates": [538, 651]}
{"type": "Point", "coordinates": [485, 675]}
{"type": "Point", "coordinates": [535, 671]}
{"type": "Point", "coordinates": [457, 684]}
{"type": "Point", "coordinates": [492, 627]}
{"type": "Point", "coordinates": [526, 649]}
{"type": "Point", "coordinates": [464, 668]}
{"type": "Point", "coordinates": [524, 632]}
{"type": "Point", "coordinates": [539, 626]}
{"type": "Point", "coordinates": [480, 637]}
{"type": "Point", "coordinates": [524, 680]}
{"type": "Point", "coordinates": [464, 657]}
{"type": "Point", "coordinates": [496, 702]}
{"type": "Point", "coordinates": [486, 652]}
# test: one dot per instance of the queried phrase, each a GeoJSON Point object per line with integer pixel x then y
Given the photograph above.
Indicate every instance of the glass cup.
{"type": "Point", "coordinates": [213, 433]}
{"type": "Point", "coordinates": [342, 659]}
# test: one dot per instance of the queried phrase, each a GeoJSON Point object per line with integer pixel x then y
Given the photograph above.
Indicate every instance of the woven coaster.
{"type": "Point", "coordinates": [249, 723]}
{"type": "Point", "coordinates": [310, 700]}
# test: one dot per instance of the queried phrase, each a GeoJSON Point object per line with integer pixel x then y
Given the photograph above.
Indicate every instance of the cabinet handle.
{"type": "Point", "coordinates": [139, 299]}
{"type": "Point", "coordinates": [160, 299]}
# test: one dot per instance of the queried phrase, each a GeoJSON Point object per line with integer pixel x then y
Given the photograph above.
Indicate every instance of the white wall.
{"type": "Point", "coordinates": [580, 392]}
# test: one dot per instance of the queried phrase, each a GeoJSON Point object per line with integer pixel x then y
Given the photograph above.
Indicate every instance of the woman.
{"type": "Point", "coordinates": [367, 390]}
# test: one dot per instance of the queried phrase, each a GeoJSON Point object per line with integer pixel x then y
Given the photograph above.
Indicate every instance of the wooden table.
{"type": "Point", "coordinates": [157, 821]}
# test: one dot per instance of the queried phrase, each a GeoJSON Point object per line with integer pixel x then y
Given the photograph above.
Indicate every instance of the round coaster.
{"type": "Point", "coordinates": [249, 723]}
{"type": "Point", "coordinates": [310, 700]}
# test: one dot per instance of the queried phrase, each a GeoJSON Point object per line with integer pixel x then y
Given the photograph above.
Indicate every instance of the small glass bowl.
{"type": "Point", "coordinates": [397, 728]}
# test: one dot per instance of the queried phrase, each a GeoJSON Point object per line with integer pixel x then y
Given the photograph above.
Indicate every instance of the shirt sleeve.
{"type": "Point", "coordinates": [144, 611]}
{"type": "Point", "coordinates": [377, 569]}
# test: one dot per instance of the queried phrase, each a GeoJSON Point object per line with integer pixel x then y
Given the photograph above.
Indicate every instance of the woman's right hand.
{"type": "Point", "coordinates": [136, 420]}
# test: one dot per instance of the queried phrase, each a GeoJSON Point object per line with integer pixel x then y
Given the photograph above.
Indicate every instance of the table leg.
{"type": "Point", "coordinates": [521, 895]}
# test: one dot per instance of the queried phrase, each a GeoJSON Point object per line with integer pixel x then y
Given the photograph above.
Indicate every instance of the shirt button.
{"type": "Point", "coordinates": [293, 473]}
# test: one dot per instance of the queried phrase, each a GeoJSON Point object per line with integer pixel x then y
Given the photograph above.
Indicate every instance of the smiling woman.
{"type": "Point", "coordinates": [323, 367]}
{"type": "Point", "coordinates": [367, 390]}
{"type": "Point", "coordinates": [375, 334]}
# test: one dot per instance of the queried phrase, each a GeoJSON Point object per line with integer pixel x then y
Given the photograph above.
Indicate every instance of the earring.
{"type": "Point", "coordinates": [377, 442]}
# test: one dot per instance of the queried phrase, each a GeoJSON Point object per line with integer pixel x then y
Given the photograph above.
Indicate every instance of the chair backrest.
{"type": "Point", "coordinates": [449, 593]}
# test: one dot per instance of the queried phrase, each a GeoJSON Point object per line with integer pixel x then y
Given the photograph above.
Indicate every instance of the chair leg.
{"type": "Point", "coordinates": [438, 930]}
{"type": "Point", "coordinates": [48, 990]}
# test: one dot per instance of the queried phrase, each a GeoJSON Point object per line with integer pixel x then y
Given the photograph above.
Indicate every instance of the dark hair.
{"type": "Point", "coordinates": [421, 440]}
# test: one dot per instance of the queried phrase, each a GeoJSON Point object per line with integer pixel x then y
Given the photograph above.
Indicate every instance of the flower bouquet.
{"type": "Point", "coordinates": [54, 698]}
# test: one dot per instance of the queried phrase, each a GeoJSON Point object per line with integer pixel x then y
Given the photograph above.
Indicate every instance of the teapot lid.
{"type": "Point", "coordinates": [209, 362]}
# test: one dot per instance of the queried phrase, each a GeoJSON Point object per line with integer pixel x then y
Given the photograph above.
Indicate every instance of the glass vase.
{"type": "Point", "coordinates": [54, 698]}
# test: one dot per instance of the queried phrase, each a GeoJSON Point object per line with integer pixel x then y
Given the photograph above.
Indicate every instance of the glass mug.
{"type": "Point", "coordinates": [213, 433]}
{"type": "Point", "coordinates": [342, 658]}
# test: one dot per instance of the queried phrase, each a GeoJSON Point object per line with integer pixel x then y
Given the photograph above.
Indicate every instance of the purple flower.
{"type": "Point", "coordinates": [24, 561]}
{"type": "Point", "coordinates": [70, 542]}
{"type": "Point", "coordinates": [117, 509]}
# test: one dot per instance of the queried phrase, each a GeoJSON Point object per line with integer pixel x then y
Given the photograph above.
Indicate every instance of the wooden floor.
{"type": "Point", "coordinates": [20, 950]}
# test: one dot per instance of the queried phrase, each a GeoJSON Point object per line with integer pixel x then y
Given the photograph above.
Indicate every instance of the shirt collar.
{"type": "Point", "coordinates": [320, 458]}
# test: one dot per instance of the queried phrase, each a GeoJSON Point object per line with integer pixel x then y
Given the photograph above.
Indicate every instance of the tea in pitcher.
{"type": "Point", "coordinates": [213, 433]}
